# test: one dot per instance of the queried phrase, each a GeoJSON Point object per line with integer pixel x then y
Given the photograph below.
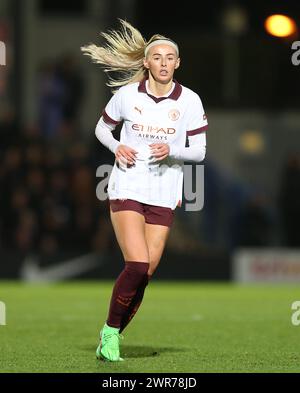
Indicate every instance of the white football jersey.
{"type": "Point", "coordinates": [173, 119]}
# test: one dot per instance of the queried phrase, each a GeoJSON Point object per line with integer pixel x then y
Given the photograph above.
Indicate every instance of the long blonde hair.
{"type": "Point", "coordinates": [123, 53]}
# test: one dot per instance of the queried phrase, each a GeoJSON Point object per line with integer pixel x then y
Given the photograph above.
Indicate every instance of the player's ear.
{"type": "Point", "coordinates": [177, 63]}
{"type": "Point", "coordinates": [146, 64]}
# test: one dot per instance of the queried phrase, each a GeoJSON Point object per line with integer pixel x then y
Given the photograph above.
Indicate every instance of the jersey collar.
{"type": "Point", "coordinates": [173, 96]}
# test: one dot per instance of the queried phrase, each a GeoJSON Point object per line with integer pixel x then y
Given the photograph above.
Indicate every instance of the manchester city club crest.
{"type": "Point", "coordinates": [174, 114]}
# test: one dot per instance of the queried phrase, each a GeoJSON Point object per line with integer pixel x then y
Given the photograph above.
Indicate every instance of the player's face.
{"type": "Point", "coordinates": [162, 61]}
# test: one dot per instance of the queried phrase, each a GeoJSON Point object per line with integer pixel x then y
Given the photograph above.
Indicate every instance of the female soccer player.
{"type": "Point", "coordinates": [164, 125]}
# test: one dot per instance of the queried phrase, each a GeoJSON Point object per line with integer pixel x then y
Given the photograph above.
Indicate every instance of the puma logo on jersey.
{"type": "Point", "coordinates": [138, 110]}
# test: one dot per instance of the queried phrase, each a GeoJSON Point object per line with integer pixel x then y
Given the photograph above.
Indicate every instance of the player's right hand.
{"type": "Point", "coordinates": [125, 155]}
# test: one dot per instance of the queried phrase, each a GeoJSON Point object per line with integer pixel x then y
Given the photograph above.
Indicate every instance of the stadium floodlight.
{"type": "Point", "coordinates": [280, 25]}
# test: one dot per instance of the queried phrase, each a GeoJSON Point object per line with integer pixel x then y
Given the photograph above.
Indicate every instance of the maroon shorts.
{"type": "Point", "coordinates": [153, 214]}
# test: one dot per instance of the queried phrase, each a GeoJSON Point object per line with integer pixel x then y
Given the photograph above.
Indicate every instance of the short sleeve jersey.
{"type": "Point", "coordinates": [148, 119]}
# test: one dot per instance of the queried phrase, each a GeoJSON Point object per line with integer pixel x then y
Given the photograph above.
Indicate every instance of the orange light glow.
{"type": "Point", "coordinates": [280, 25]}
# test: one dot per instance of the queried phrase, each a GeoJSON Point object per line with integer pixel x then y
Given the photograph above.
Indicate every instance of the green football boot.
{"type": "Point", "coordinates": [108, 349]}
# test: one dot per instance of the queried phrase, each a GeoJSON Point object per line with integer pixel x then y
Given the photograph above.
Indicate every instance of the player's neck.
{"type": "Point", "coordinates": [159, 89]}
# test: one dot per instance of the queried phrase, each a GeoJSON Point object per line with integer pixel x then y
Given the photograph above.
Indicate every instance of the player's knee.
{"type": "Point", "coordinates": [136, 256]}
{"type": "Point", "coordinates": [136, 253]}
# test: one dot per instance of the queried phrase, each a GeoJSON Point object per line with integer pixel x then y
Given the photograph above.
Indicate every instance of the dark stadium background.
{"type": "Point", "coordinates": [51, 98]}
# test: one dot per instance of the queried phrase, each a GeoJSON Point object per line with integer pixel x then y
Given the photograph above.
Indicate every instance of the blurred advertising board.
{"type": "Point", "coordinates": [278, 265]}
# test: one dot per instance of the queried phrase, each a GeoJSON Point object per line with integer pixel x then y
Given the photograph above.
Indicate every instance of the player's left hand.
{"type": "Point", "coordinates": [159, 150]}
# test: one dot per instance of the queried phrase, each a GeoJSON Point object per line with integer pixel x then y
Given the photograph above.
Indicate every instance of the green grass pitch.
{"type": "Point", "coordinates": [181, 327]}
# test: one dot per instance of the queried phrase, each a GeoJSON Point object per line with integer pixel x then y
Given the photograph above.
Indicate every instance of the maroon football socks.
{"type": "Point", "coordinates": [135, 303]}
{"type": "Point", "coordinates": [127, 293]}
